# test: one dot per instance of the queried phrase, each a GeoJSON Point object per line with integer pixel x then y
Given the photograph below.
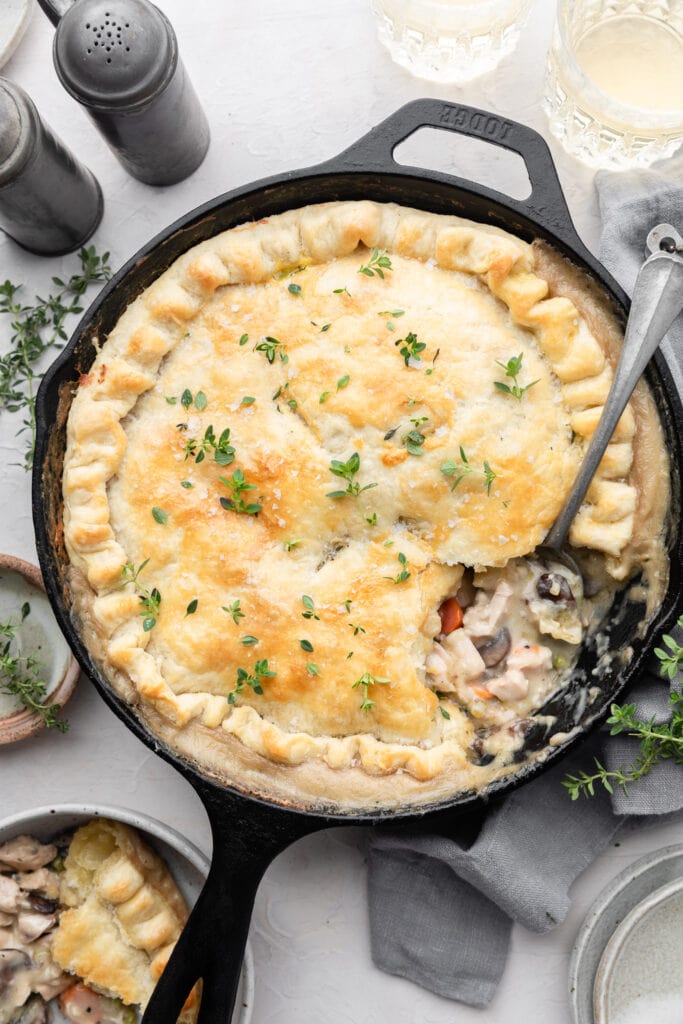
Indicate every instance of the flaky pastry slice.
{"type": "Point", "coordinates": [124, 914]}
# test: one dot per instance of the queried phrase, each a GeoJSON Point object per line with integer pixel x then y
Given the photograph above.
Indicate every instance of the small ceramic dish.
{"type": "Point", "coordinates": [615, 902]}
{"type": "Point", "coordinates": [187, 864]}
{"type": "Point", "coordinates": [639, 977]}
{"type": "Point", "coordinates": [14, 18]}
{"type": "Point", "coordinates": [24, 604]}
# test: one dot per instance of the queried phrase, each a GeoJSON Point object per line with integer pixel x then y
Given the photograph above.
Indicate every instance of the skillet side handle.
{"type": "Point", "coordinates": [546, 203]}
{"type": "Point", "coordinates": [247, 836]}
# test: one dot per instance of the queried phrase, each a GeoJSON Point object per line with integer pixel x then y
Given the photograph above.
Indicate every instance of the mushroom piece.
{"type": "Point", "coordinates": [41, 904]}
{"type": "Point", "coordinates": [496, 648]}
{"type": "Point", "coordinates": [14, 980]}
{"type": "Point", "coordinates": [11, 896]}
{"type": "Point", "coordinates": [553, 586]}
{"type": "Point", "coordinates": [24, 853]}
{"type": "Point", "coordinates": [43, 881]}
{"type": "Point", "coordinates": [30, 926]}
{"type": "Point", "coordinates": [35, 1012]}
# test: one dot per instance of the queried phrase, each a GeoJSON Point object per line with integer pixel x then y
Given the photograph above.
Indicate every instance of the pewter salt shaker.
{"type": "Point", "coordinates": [119, 59]}
{"type": "Point", "coordinates": [49, 202]}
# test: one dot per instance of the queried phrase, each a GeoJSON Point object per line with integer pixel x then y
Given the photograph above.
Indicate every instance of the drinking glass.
{"type": "Point", "coordinates": [449, 40]}
{"type": "Point", "coordinates": [614, 84]}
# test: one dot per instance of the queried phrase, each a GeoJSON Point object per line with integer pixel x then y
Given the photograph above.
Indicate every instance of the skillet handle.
{"type": "Point", "coordinates": [546, 204]}
{"type": "Point", "coordinates": [247, 836]}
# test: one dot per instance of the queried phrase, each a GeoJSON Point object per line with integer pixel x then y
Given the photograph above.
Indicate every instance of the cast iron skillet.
{"type": "Point", "coordinates": [248, 832]}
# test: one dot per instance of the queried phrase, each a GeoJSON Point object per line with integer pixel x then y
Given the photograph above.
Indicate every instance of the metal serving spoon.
{"type": "Point", "coordinates": [657, 301]}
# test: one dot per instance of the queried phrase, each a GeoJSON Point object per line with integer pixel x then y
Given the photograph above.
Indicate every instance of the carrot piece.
{"type": "Point", "coordinates": [451, 615]}
{"type": "Point", "coordinates": [481, 691]}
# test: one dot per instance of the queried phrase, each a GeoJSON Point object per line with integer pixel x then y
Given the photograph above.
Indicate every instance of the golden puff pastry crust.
{"type": "Point", "coordinates": [124, 914]}
{"type": "Point", "coordinates": [381, 388]}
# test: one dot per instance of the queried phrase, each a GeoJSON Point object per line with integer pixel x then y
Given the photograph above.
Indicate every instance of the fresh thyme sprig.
{"type": "Point", "coordinates": [20, 677]}
{"type": "Point", "coordinates": [657, 742]}
{"type": "Point", "coordinates": [410, 348]}
{"type": "Point", "coordinates": [513, 368]}
{"type": "Point", "coordinates": [309, 611]}
{"type": "Point", "coordinates": [236, 503]}
{"type": "Point", "coordinates": [254, 680]}
{"type": "Point", "coordinates": [186, 399]}
{"type": "Point", "coordinates": [270, 346]}
{"type": "Point", "coordinates": [364, 683]}
{"type": "Point", "coordinates": [457, 470]}
{"type": "Point", "coordinates": [489, 476]}
{"type": "Point", "coordinates": [234, 611]}
{"type": "Point", "coordinates": [36, 329]}
{"type": "Point", "coordinates": [223, 451]}
{"type": "Point", "coordinates": [347, 471]}
{"type": "Point", "coordinates": [377, 264]}
{"type": "Point", "coordinates": [149, 599]}
{"type": "Point", "coordinates": [403, 573]}
{"type": "Point", "coordinates": [415, 439]}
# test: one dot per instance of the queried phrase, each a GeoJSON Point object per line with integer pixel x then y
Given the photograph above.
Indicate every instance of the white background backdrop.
{"type": "Point", "coordinates": [284, 85]}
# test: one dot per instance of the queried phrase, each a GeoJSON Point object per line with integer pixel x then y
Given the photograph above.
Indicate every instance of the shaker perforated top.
{"type": "Point", "coordinates": [114, 53]}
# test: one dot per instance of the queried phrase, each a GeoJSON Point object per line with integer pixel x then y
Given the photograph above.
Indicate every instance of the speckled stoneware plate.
{"type": "Point", "coordinates": [639, 977]}
{"type": "Point", "coordinates": [187, 864]}
{"type": "Point", "coordinates": [25, 607]}
{"type": "Point", "coordinates": [611, 907]}
{"type": "Point", "coordinates": [14, 18]}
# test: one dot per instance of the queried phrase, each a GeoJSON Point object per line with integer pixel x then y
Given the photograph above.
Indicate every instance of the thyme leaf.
{"type": "Point", "coordinates": [377, 264]}
{"type": "Point", "coordinates": [236, 503]}
{"type": "Point", "coordinates": [512, 369]}
{"type": "Point", "coordinates": [37, 328]}
{"type": "Point", "coordinates": [149, 599]}
{"type": "Point", "coordinates": [255, 680]}
{"type": "Point", "coordinates": [309, 611]}
{"type": "Point", "coordinates": [364, 683]}
{"type": "Point", "coordinates": [20, 677]}
{"type": "Point", "coordinates": [410, 348]}
{"type": "Point", "coordinates": [456, 470]}
{"type": "Point", "coordinates": [223, 451]}
{"type": "Point", "coordinates": [270, 346]}
{"type": "Point", "coordinates": [234, 611]}
{"type": "Point", "coordinates": [658, 742]}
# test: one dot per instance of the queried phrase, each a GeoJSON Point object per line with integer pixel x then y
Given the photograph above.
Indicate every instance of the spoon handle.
{"type": "Point", "coordinates": [657, 301]}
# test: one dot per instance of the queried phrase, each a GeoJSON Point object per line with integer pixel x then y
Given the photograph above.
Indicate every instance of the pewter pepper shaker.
{"type": "Point", "coordinates": [119, 59]}
{"type": "Point", "coordinates": [49, 202]}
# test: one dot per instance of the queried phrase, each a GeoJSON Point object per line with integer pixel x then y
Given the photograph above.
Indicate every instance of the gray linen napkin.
{"type": "Point", "coordinates": [441, 913]}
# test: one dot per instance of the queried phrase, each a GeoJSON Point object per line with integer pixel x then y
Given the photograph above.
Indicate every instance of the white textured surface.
{"type": "Point", "coordinates": [284, 85]}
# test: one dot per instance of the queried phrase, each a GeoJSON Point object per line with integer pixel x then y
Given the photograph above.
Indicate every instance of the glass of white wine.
{"type": "Point", "coordinates": [614, 86]}
{"type": "Point", "coordinates": [449, 40]}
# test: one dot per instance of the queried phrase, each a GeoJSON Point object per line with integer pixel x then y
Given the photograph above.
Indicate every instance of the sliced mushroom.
{"type": "Point", "coordinates": [14, 979]}
{"type": "Point", "coordinates": [553, 586]}
{"type": "Point", "coordinates": [35, 1012]}
{"type": "Point", "coordinates": [493, 651]}
{"type": "Point", "coordinates": [24, 853]}
{"type": "Point", "coordinates": [10, 895]}
{"type": "Point", "coordinates": [43, 881]}
{"type": "Point", "coordinates": [41, 904]}
{"type": "Point", "coordinates": [30, 926]}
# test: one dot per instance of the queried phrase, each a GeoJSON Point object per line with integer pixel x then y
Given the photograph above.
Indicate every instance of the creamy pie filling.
{"type": "Point", "coordinates": [282, 466]}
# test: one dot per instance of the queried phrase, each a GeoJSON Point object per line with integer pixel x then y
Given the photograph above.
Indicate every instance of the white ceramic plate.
{"type": "Point", "coordinates": [624, 893]}
{"type": "Point", "coordinates": [639, 976]}
{"type": "Point", "coordinates": [187, 864]}
{"type": "Point", "coordinates": [14, 18]}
